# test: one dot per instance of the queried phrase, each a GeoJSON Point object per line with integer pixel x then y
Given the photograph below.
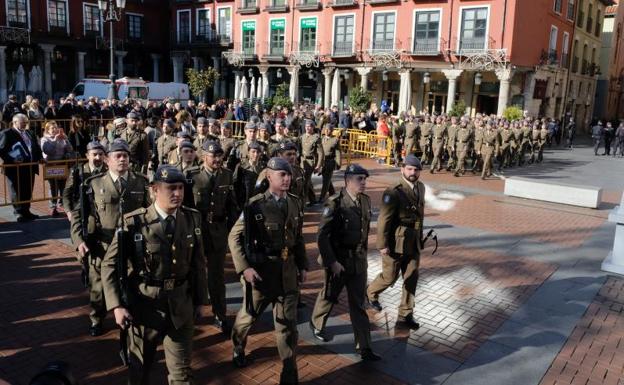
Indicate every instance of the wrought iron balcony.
{"type": "Point", "coordinates": [247, 7]}
{"type": "Point", "coordinates": [275, 6]}
{"type": "Point", "coordinates": [275, 51]}
{"type": "Point", "coordinates": [343, 49]}
{"type": "Point", "coordinates": [342, 3]}
{"type": "Point", "coordinates": [14, 35]}
{"type": "Point", "coordinates": [308, 5]}
{"type": "Point", "coordinates": [205, 38]}
{"type": "Point", "coordinates": [472, 45]}
{"type": "Point", "coordinates": [382, 46]}
{"type": "Point", "coordinates": [379, 2]}
{"type": "Point", "coordinates": [426, 47]}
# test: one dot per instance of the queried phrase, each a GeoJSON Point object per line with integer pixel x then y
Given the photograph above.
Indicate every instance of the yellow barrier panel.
{"type": "Point", "coordinates": [362, 144]}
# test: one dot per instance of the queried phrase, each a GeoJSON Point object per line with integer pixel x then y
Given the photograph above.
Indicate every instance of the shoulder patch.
{"type": "Point", "coordinates": [327, 211]}
{"type": "Point", "coordinates": [386, 198]}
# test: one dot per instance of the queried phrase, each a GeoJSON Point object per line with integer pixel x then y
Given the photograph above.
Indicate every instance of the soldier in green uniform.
{"type": "Point", "coordinates": [477, 159]}
{"type": "Point", "coordinates": [203, 135]}
{"type": "Point", "coordinates": [411, 135]}
{"type": "Point", "coordinates": [189, 164]}
{"type": "Point", "coordinates": [437, 143]}
{"type": "Point", "coordinates": [246, 174]}
{"type": "Point", "coordinates": [399, 233]}
{"type": "Point", "coordinates": [241, 150]}
{"type": "Point", "coordinates": [174, 155]}
{"type": "Point", "coordinates": [226, 140]}
{"type": "Point", "coordinates": [332, 160]}
{"type": "Point", "coordinates": [451, 139]}
{"type": "Point", "coordinates": [525, 145]}
{"type": "Point", "coordinates": [462, 146]}
{"type": "Point", "coordinates": [165, 143]}
{"type": "Point", "coordinates": [507, 141]}
{"type": "Point", "coordinates": [489, 145]}
{"type": "Point", "coordinates": [288, 151]}
{"type": "Point", "coordinates": [535, 141]}
{"type": "Point", "coordinates": [105, 192]}
{"type": "Point", "coordinates": [137, 142]}
{"type": "Point", "coordinates": [213, 191]}
{"type": "Point", "coordinates": [426, 129]}
{"type": "Point", "coordinates": [166, 280]}
{"type": "Point", "coordinates": [281, 135]}
{"type": "Point", "coordinates": [516, 143]}
{"type": "Point", "coordinates": [269, 254]}
{"type": "Point", "coordinates": [94, 165]}
{"type": "Point", "coordinates": [311, 158]}
{"type": "Point", "coordinates": [543, 138]}
{"type": "Point", "coordinates": [343, 245]}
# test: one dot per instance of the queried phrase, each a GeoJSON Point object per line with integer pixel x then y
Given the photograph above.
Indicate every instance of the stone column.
{"type": "Point", "coordinates": [405, 95]}
{"type": "Point", "coordinates": [504, 76]}
{"type": "Point", "coordinates": [452, 76]}
{"type": "Point", "coordinates": [264, 72]}
{"type": "Point", "coordinates": [47, 66]}
{"type": "Point", "coordinates": [363, 71]}
{"type": "Point", "coordinates": [293, 90]}
{"type": "Point", "coordinates": [216, 65]}
{"type": "Point", "coordinates": [529, 88]}
{"type": "Point", "coordinates": [327, 73]}
{"type": "Point", "coordinates": [156, 66]}
{"type": "Point", "coordinates": [81, 65]}
{"type": "Point", "coordinates": [237, 79]}
{"type": "Point", "coordinates": [195, 63]}
{"type": "Point", "coordinates": [178, 68]}
{"type": "Point", "coordinates": [3, 74]}
{"type": "Point", "coordinates": [120, 65]}
{"type": "Point", "coordinates": [420, 91]}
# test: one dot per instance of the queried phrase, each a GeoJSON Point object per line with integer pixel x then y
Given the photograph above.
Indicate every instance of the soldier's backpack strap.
{"type": "Point", "coordinates": [137, 240]}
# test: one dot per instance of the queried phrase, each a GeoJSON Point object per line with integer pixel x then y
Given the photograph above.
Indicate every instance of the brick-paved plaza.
{"type": "Point", "coordinates": [514, 295]}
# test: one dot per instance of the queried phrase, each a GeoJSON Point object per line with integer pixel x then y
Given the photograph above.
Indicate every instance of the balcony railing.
{"type": "Point", "coordinates": [343, 49]}
{"type": "Point", "coordinates": [426, 47]}
{"type": "Point", "coordinates": [382, 46]}
{"type": "Point", "coordinates": [247, 7]}
{"type": "Point", "coordinates": [275, 51]}
{"type": "Point", "coordinates": [274, 6]}
{"type": "Point", "coordinates": [376, 2]}
{"type": "Point", "coordinates": [472, 45]}
{"type": "Point", "coordinates": [14, 35]}
{"type": "Point", "coordinates": [308, 5]}
{"type": "Point", "coordinates": [208, 37]}
{"type": "Point", "coordinates": [342, 3]}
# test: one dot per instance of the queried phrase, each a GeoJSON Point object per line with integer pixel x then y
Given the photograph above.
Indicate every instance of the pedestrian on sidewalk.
{"type": "Point", "coordinates": [619, 140]}
{"type": "Point", "coordinates": [55, 146]}
{"type": "Point", "coordinates": [570, 133]}
{"type": "Point", "coordinates": [609, 134]}
{"type": "Point", "coordinates": [597, 135]}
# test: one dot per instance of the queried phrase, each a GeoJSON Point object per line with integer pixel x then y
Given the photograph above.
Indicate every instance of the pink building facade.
{"type": "Point", "coordinates": [416, 55]}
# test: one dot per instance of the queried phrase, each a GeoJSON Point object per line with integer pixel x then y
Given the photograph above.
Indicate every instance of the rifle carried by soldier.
{"type": "Point", "coordinates": [122, 276]}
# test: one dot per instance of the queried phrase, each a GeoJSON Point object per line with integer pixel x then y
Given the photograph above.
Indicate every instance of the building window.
{"type": "Point", "coordinates": [590, 21]}
{"type": "Point", "coordinates": [17, 13]}
{"type": "Point", "coordinates": [426, 32]}
{"type": "Point", "coordinates": [224, 23]}
{"type": "Point", "coordinates": [249, 37]}
{"type": "Point", "coordinates": [557, 7]}
{"type": "Point", "coordinates": [57, 13]}
{"type": "Point", "coordinates": [343, 35]}
{"type": "Point", "coordinates": [184, 26]}
{"type": "Point", "coordinates": [570, 9]}
{"type": "Point", "coordinates": [92, 19]}
{"type": "Point", "coordinates": [135, 27]}
{"type": "Point", "coordinates": [565, 49]}
{"type": "Point", "coordinates": [473, 29]}
{"type": "Point", "coordinates": [581, 15]}
{"type": "Point", "coordinates": [598, 24]}
{"type": "Point", "coordinates": [203, 24]}
{"type": "Point", "coordinates": [276, 47]}
{"type": "Point", "coordinates": [308, 35]}
{"type": "Point", "coordinates": [383, 31]}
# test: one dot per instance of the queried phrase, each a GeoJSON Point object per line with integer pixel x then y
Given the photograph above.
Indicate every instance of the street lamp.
{"type": "Point", "coordinates": [111, 12]}
{"type": "Point", "coordinates": [426, 78]}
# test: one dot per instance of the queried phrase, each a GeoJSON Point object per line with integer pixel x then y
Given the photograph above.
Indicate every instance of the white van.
{"type": "Point", "coordinates": [132, 88]}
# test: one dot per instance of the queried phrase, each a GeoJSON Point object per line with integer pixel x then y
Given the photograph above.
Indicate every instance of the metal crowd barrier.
{"type": "Point", "coordinates": [359, 144]}
{"type": "Point", "coordinates": [48, 170]}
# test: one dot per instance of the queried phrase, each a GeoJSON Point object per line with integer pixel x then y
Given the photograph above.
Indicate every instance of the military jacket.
{"type": "Point", "coordinates": [490, 140]}
{"type": "Point", "coordinates": [311, 150]}
{"type": "Point", "coordinates": [463, 137]}
{"type": "Point", "coordinates": [439, 133]}
{"type": "Point", "coordinates": [71, 193]}
{"type": "Point", "coordinates": [400, 221]}
{"type": "Point", "coordinates": [518, 136]}
{"type": "Point", "coordinates": [179, 259]}
{"type": "Point", "coordinates": [214, 196]}
{"type": "Point", "coordinates": [343, 232]}
{"type": "Point", "coordinates": [331, 148]}
{"type": "Point", "coordinates": [164, 145]}
{"type": "Point", "coordinates": [245, 178]}
{"type": "Point", "coordinates": [507, 136]}
{"type": "Point", "coordinates": [139, 146]}
{"type": "Point", "coordinates": [426, 130]}
{"type": "Point", "coordinates": [451, 135]}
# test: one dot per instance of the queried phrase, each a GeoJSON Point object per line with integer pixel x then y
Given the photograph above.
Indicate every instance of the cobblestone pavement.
{"type": "Point", "coordinates": [513, 295]}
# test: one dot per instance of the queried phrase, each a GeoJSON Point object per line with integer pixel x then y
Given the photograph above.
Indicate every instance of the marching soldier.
{"type": "Point", "coordinates": [437, 144]}
{"type": "Point", "coordinates": [281, 135]}
{"type": "Point", "coordinates": [489, 145]}
{"type": "Point", "coordinates": [269, 253]}
{"type": "Point", "coordinates": [399, 233]}
{"type": "Point", "coordinates": [311, 158]}
{"type": "Point", "coordinates": [166, 280]}
{"type": "Point", "coordinates": [332, 160]}
{"type": "Point", "coordinates": [526, 141]}
{"type": "Point", "coordinates": [203, 135]}
{"type": "Point", "coordinates": [137, 143]}
{"type": "Point", "coordinates": [450, 144]}
{"type": "Point", "coordinates": [507, 141]}
{"type": "Point", "coordinates": [226, 140]}
{"type": "Point", "coordinates": [426, 129]}
{"type": "Point", "coordinates": [213, 191]}
{"type": "Point", "coordinates": [94, 166]}
{"type": "Point", "coordinates": [343, 245]}
{"type": "Point", "coordinates": [166, 142]}
{"type": "Point", "coordinates": [246, 174]}
{"type": "Point", "coordinates": [516, 144]}
{"type": "Point", "coordinates": [174, 155]}
{"type": "Point", "coordinates": [288, 151]}
{"type": "Point", "coordinates": [463, 143]}
{"type": "Point", "coordinates": [477, 159]}
{"type": "Point", "coordinates": [411, 136]}
{"type": "Point", "coordinates": [189, 165]}
{"type": "Point", "coordinates": [543, 138]}
{"type": "Point", "coordinates": [241, 150]}
{"type": "Point", "coordinates": [105, 192]}
{"type": "Point", "coordinates": [535, 140]}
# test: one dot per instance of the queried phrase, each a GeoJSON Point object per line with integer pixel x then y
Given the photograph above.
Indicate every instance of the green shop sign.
{"type": "Point", "coordinates": [249, 25]}
{"type": "Point", "coordinates": [278, 24]}
{"type": "Point", "coordinates": [309, 22]}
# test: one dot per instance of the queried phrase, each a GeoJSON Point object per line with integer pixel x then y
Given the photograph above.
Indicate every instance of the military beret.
{"type": "Point", "coordinates": [255, 146]}
{"type": "Point", "coordinates": [170, 123]}
{"type": "Point", "coordinates": [287, 145]}
{"type": "Point", "coordinates": [211, 121]}
{"type": "Point", "coordinates": [119, 121]}
{"type": "Point", "coordinates": [250, 126]}
{"type": "Point", "coordinates": [263, 126]}
{"type": "Point", "coordinates": [356, 169]}
{"type": "Point", "coordinates": [95, 145]}
{"type": "Point", "coordinates": [132, 115]}
{"type": "Point", "coordinates": [202, 120]}
{"type": "Point", "coordinates": [168, 174]}
{"type": "Point", "coordinates": [183, 134]}
{"type": "Point", "coordinates": [119, 145]}
{"type": "Point", "coordinates": [226, 125]}
{"type": "Point", "coordinates": [412, 160]}
{"type": "Point", "coordinates": [309, 122]}
{"type": "Point", "coordinates": [186, 144]}
{"type": "Point", "coordinates": [279, 164]}
{"type": "Point", "coordinates": [212, 147]}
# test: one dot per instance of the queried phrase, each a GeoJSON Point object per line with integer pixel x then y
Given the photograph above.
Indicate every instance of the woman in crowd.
{"type": "Point", "coordinates": [55, 146]}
